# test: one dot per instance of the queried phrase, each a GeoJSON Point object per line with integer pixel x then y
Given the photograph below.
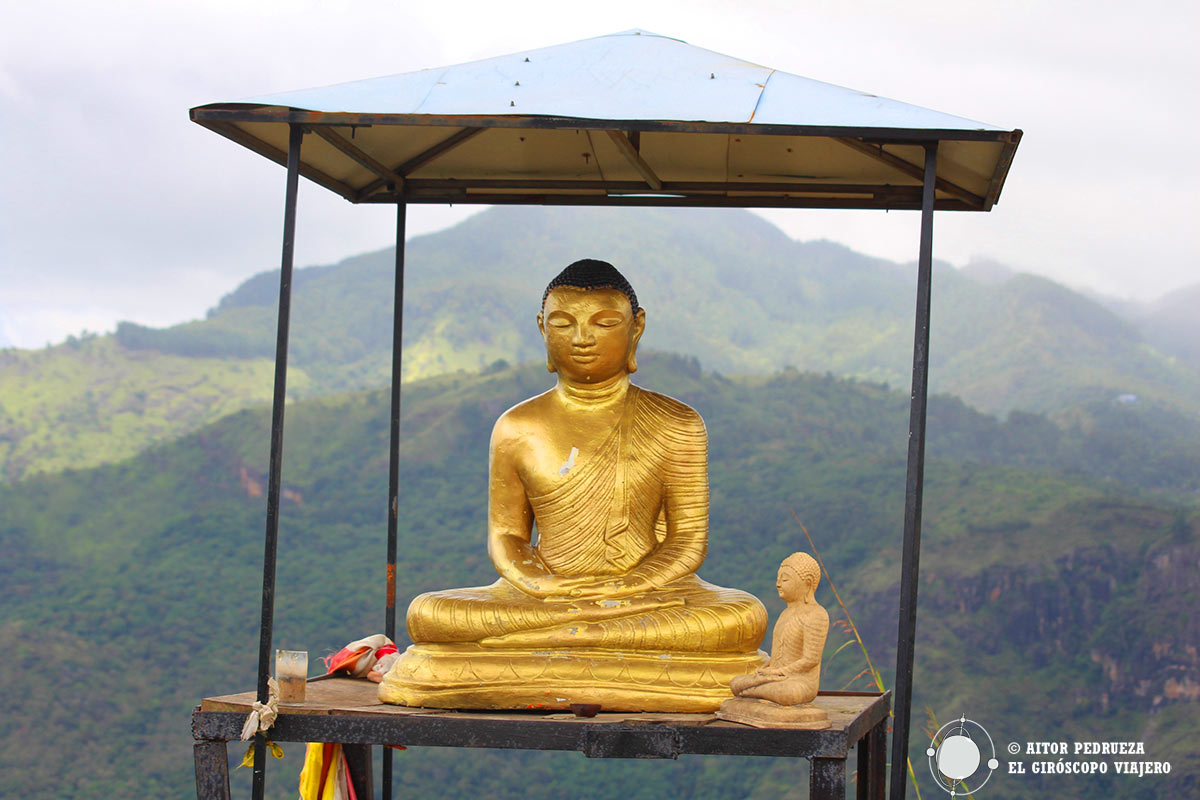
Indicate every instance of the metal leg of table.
{"type": "Point", "coordinates": [827, 779]}
{"type": "Point", "coordinates": [212, 771]}
{"type": "Point", "coordinates": [871, 768]}
{"type": "Point", "coordinates": [358, 758]}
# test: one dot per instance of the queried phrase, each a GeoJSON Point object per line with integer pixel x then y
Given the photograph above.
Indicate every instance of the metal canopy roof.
{"type": "Point", "coordinates": [631, 118]}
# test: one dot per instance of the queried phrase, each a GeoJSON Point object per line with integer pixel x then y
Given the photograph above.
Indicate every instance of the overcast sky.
{"type": "Point", "coordinates": [116, 206]}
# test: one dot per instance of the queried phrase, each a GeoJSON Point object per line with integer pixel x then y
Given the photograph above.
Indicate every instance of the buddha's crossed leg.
{"type": "Point", "coordinates": [688, 616]}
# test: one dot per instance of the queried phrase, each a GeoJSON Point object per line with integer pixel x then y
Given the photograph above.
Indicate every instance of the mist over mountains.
{"type": "Point", "coordinates": [1170, 324]}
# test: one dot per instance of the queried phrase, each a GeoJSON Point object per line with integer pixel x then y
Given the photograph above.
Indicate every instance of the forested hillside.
{"type": "Point", "coordinates": [91, 401]}
{"type": "Point", "coordinates": [1057, 598]}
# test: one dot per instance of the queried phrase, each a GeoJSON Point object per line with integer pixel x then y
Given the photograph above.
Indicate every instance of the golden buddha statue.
{"type": "Point", "coordinates": [605, 607]}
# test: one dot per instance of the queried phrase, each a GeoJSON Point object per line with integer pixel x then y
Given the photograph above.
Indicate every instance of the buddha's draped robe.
{"type": "Point", "coordinates": [612, 515]}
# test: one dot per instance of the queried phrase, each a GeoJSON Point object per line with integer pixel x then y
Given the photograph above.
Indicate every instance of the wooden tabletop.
{"type": "Point", "coordinates": [347, 710]}
{"type": "Point", "coordinates": [354, 696]}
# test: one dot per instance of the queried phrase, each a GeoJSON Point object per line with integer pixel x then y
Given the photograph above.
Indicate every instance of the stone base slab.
{"type": "Point", "coordinates": [765, 714]}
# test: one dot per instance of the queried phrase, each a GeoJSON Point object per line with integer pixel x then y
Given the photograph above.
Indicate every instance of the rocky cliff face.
{"type": "Point", "coordinates": [1163, 665]}
{"type": "Point", "coordinates": [1124, 628]}
{"type": "Point", "coordinates": [1100, 644]}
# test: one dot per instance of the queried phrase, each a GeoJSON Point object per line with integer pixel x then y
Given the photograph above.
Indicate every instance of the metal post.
{"type": "Point", "coordinates": [914, 488]}
{"type": "Point", "coordinates": [212, 770]}
{"type": "Point", "coordinates": [296, 135]}
{"type": "Point", "coordinates": [827, 778]}
{"type": "Point", "coordinates": [389, 624]}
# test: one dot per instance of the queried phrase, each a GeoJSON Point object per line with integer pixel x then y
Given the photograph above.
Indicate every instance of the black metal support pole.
{"type": "Point", "coordinates": [389, 624]}
{"type": "Point", "coordinates": [296, 135]}
{"type": "Point", "coordinates": [914, 488]}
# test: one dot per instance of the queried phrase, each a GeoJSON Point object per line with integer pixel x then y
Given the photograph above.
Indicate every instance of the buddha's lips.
{"type": "Point", "coordinates": [584, 358]}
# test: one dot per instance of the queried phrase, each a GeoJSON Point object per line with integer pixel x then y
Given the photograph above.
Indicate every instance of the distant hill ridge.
{"type": "Point", "coordinates": [726, 287]}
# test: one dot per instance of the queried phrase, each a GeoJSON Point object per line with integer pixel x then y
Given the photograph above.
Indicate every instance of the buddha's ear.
{"type": "Point", "coordinates": [542, 327]}
{"type": "Point", "coordinates": [639, 327]}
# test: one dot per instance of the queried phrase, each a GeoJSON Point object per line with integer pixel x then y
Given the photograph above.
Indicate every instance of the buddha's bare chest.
{"type": "Point", "coordinates": [545, 462]}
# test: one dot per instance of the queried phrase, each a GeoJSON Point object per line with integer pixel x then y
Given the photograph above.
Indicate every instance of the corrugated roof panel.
{"type": "Point", "coordinates": [544, 121]}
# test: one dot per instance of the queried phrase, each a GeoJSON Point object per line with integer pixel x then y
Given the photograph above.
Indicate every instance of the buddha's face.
{"type": "Point", "coordinates": [790, 586]}
{"type": "Point", "coordinates": [591, 334]}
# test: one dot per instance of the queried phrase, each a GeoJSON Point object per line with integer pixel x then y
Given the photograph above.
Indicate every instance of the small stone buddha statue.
{"type": "Point", "coordinates": [597, 523]}
{"type": "Point", "coordinates": [780, 694]}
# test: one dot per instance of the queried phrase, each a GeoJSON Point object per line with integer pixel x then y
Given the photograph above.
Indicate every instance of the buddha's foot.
{"type": "Point", "coordinates": [471, 676]}
{"type": "Point", "coordinates": [765, 714]}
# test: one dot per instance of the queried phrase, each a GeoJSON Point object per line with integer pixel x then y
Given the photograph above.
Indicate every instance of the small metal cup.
{"type": "Point", "coordinates": [291, 671]}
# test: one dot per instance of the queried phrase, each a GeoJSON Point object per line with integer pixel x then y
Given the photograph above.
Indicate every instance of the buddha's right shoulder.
{"type": "Point", "coordinates": [515, 422]}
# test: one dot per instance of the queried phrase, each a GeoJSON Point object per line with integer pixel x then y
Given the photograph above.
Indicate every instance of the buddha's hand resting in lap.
{"type": "Point", "coordinates": [598, 587]}
{"type": "Point", "coordinates": [610, 607]}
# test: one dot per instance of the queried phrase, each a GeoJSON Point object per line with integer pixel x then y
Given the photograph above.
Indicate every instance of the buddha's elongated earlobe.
{"type": "Point", "coordinates": [639, 327]}
{"type": "Point", "coordinates": [541, 323]}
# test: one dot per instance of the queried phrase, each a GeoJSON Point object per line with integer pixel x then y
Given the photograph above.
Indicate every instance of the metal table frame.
{"type": "Point", "coordinates": [606, 736]}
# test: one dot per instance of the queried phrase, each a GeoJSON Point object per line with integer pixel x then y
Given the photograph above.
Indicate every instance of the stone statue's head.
{"type": "Point", "coordinates": [798, 577]}
{"type": "Point", "coordinates": [591, 322]}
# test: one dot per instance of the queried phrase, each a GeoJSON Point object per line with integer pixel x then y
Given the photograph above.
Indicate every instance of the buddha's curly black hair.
{"type": "Point", "coordinates": [590, 273]}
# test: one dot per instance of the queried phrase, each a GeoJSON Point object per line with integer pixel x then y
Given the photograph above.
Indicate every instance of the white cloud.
{"type": "Point", "coordinates": [32, 327]}
{"type": "Point", "coordinates": [110, 192]}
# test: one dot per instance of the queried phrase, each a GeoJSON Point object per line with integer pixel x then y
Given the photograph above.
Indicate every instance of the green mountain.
{"type": "Point", "coordinates": [1057, 599]}
{"type": "Point", "coordinates": [727, 287]}
{"type": "Point", "coordinates": [724, 286]}
{"type": "Point", "coordinates": [91, 401]}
